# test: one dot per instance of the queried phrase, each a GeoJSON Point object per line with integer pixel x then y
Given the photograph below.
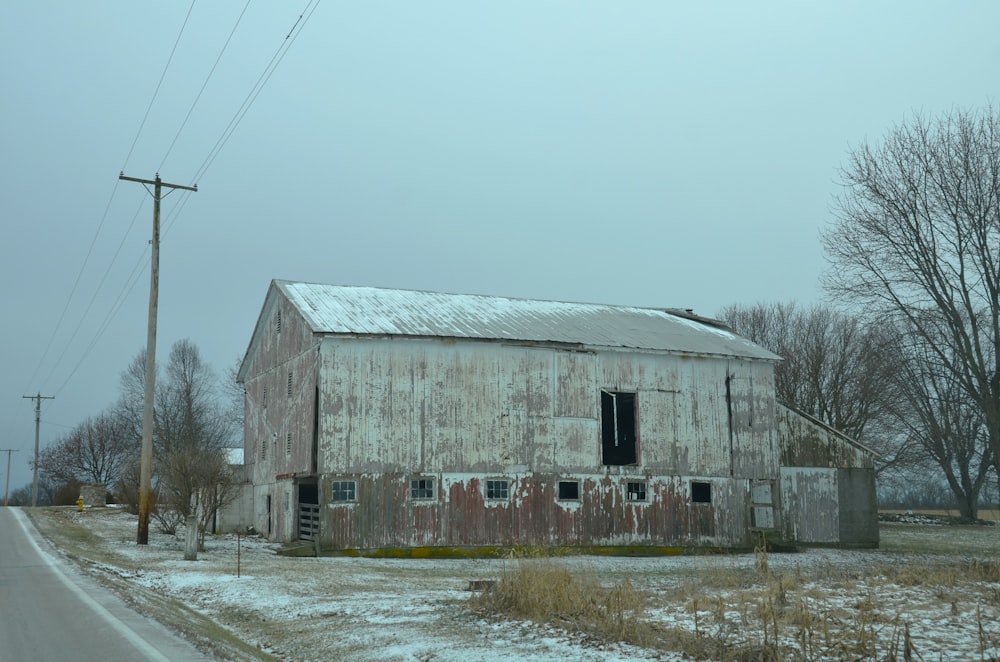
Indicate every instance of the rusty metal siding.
{"type": "Point", "coordinates": [460, 515]}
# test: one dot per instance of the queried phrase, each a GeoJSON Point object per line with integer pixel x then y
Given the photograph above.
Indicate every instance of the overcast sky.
{"type": "Point", "coordinates": [658, 153]}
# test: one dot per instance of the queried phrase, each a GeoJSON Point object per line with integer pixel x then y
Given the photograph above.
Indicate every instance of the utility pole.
{"type": "Point", "coordinates": [6, 489]}
{"type": "Point", "coordinates": [38, 419]}
{"type": "Point", "coordinates": [146, 459]}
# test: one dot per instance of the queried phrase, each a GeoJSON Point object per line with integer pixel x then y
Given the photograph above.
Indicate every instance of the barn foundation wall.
{"type": "Point", "coordinates": [391, 510]}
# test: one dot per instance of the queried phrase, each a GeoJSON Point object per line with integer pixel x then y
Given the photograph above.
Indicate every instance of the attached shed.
{"type": "Point", "coordinates": [827, 484]}
{"type": "Point", "coordinates": [380, 418]}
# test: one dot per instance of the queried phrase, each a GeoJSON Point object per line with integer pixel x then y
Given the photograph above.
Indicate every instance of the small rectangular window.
{"type": "Point", "coordinates": [263, 449]}
{"type": "Point", "coordinates": [569, 490]}
{"type": "Point", "coordinates": [277, 321]}
{"type": "Point", "coordinates": [289, 384]}
{"type": "Point", "coordinates": [288, 444]}
{"type": "Point", "coordinates": [422, 488]}
{"type": "Point", "coordinates": [263, 399]}
{"type": "Point", "coordinates": [343, 490]}
{"type": "Point", "coordinates": [636, 491]}
{"type": "Point", "coordinates": [701, 492]}
{"type": "Point", "coordinates": [497, 489]}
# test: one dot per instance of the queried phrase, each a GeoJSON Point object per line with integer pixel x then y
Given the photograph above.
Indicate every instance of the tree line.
{"type": "Point", "coordinates": [196, 420]}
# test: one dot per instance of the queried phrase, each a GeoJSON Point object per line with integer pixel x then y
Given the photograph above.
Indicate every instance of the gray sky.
{"type": "Point", "coordinates": [643, 153]}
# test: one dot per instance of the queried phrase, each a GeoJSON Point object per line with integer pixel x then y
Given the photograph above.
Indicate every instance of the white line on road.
{"type": "Point", "coordinates": [137, 641]}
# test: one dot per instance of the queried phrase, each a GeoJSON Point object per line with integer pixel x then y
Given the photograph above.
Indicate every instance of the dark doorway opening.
{"type": "Point", "coordinates": [308, 528]}
{"type": "Point", "coordinates": [619, 445]}
{"type": "Point", "coordinates": [309, 493]}
{"type": "Point", "coordinates": [268, 515]}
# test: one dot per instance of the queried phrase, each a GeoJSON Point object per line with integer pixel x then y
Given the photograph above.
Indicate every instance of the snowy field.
{"type": "Point", "coordinates": [934, 589]}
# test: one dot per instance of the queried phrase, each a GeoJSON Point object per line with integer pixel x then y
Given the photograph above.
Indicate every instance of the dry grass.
{"type": "Point", "coordinates": [545, 591]}
{"type": "Point", "coordinates": [754, 614]}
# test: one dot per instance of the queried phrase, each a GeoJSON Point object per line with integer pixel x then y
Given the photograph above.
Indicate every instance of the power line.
{"type": "Point", "coordinates": [104, 217]}
{"type": "Point", "coordinates": [93, 297]}
{"type": "Point", "coordinates": [157, 90]}
{"type": "Point", "coordinates": [133, 278]}
{"type": "Point", "coordinates": [130, 282]}
{"type": "Point", "coordinates": [204, 85]}
{"type": "Point", "coordinates": [255, 91]}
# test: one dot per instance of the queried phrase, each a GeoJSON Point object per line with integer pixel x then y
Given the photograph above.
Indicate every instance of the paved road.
{"type": "Point", "coordinates": [50, 611]}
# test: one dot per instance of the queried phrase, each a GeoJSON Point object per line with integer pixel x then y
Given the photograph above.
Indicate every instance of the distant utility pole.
{"type": "Point", "coordinates": [6, 489]}
{"type": "Point", "coordinates": [38, 419]}
{"type": "Point", "coordinates": [146, 459]}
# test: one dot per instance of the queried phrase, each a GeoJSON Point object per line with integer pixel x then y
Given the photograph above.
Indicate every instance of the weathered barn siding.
{"type": "Point", "coordinates": [809, 500]}
{"type": "Point", "coordinates": [384, 515]}
{"type": "Point", "coordinates": [391, 404]}
{"type": "Point", "coordinates": [830, 506]}
{"type": "Point", "coordinates": [280, 395]}
{"type": "Point", "coordinates": [806, 442]}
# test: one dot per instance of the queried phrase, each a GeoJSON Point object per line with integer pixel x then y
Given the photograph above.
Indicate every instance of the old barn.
{"type": "Point", "coordinates": [379, 418]}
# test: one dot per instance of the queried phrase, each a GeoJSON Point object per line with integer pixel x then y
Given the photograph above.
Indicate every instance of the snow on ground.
{"type": "Point", "coordinates": [403, 609]}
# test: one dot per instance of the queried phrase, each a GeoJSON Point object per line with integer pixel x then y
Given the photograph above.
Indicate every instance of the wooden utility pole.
{"type": "Point", "coordinates": [38, 419]}
{"type": "Point", "coordinates": [6, 489]}
{"type": "Point", "coordinates": [146, 459]}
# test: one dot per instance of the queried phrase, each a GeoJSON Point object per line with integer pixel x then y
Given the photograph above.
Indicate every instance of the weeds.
{"type": "Point", "coordinates": [545, 591]}
{"type": "Point", "coordinates": [752, 614]}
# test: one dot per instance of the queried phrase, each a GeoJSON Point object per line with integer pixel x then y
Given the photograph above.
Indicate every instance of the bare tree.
{"type": "Point", "coordinates": [917, 241]}
{"type": "Point", "coordinates": [95, 451]}
{"type": "Point", "coordinates": [191, 432]}
{"type": "Point", "coordinates": [835, 368]}
{"type": "Point", "coordinates": [132, 393]}
{"type": "Point", "coordinates": [946, 425]}
{"type": "Point", "coordinates": [235, 400]}
{"type": "Point", "coordinates": [192, 436]}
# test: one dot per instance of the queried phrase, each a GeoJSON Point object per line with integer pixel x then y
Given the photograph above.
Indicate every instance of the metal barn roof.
{"type": "Point", "coordinates": [376, 311]}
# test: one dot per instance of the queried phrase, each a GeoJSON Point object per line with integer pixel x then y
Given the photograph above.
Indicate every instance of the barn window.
{"type": "Point", "coordinates": [263, 399]}
{"type": "Point", "coordinates": [422, 488]}
{"type": "Point", "coordinates": [497, 489]}
{"type": "Point", "coordinates": [618, 430]}
{"type": "Point", "coordinates": [569, 490]}
{"type": "Point", "coordinates": [288, 444]}
{"type": "Point", "coordinates": [701, 492]}
{"type": "Point", "coordinates": [263, 449]}
{"type": "Point", "coordinates": [636, 491]}
{"type": "Point", "coordinates": [277, 322]}
{"type": "Point", "coordinates": [289, 384]}
{"type": "Point", "coordinates": [343, 490]}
